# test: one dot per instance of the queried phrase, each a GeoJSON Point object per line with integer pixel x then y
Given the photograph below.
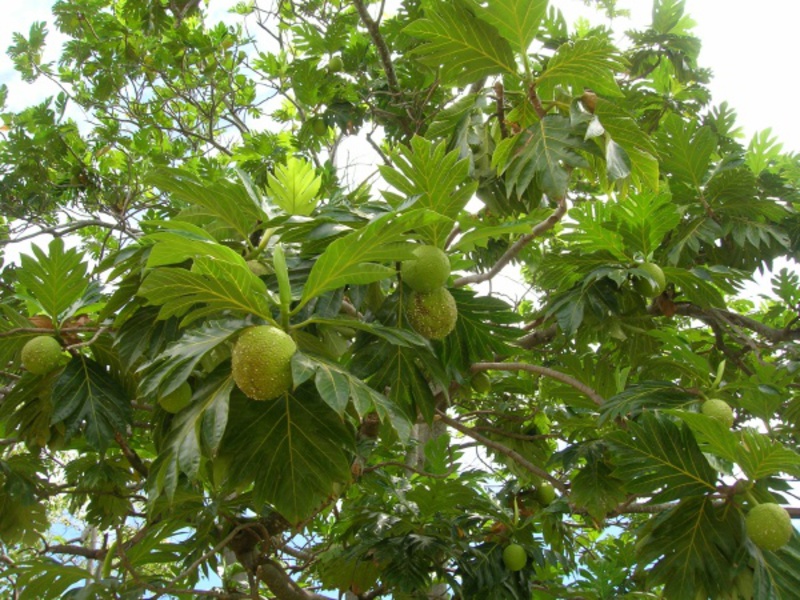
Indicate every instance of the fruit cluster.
{"type": "Point", "coordinates": [431, 308]}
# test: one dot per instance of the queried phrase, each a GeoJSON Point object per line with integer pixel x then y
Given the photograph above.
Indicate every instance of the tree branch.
{"type": "Point", "coordinates": [380, 45]}
{"type": "Point", "coordinates": [553, 374]}
{"type": "Point", "coordinates": [726, 317]}
{"type": "Point", "coordinates": [516, 247]}
{"type": "Point", "coordinates": [283, 586]}
{"type": "Point", "coordinates": [502, 449]}
{"type": "Point", "coordinates": [90, 553]}
{"type": "Point", "coordinates": [61, 230]}
{"type": "Point", "coordinates": [133, 458]}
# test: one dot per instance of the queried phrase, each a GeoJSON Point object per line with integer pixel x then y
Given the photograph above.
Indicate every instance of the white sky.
{"type": "Point", "coordinates": [751, 48]}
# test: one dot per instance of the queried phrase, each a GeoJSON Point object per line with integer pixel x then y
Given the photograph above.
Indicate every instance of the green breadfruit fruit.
{"type": "Point", "coordinates": [481, 383]}
{"type": "Point", "coordinates": [432, 315]}
{"type": "Point", "coordinates": [336, 64]}
{"type": "Point", "coordinates": [428, 271]}
{"type": "Point", "coordinates": [514, 557]}
{"type": "Point", "coordinates": [545, 493]}
{"type": "Point", "coordinates": [769, 526]}
{"type": "Point", "coordinates": [719, 410]}
{"type": "Point", "coordinates": [177, 399]}
{"type": "Point", "coordinates": [650, 286]}
{"type": "Point", "coordinates": [41, 355]}
{"type": "Point", "coordinates": [319, 127]}
{"type": "Point", "coordinates": [261, 362]}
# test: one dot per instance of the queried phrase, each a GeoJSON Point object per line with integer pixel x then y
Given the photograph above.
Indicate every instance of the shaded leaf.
{"type": "Point", "coordinates": [542, 155]}
{"type": "Point", "coordinates": [87, 398]}
{"type": "Point", "coordinates": [170, 368]}
{"type": "Point", "coordinates": [196, 430]}
{"type": "Point", "coordinates": [656, 458]}
{"type": "Point", "coordinates": [295, 448]}
{"type": "Point", "coordinates": [338, 387]}
{"type": "Point", "coordinates": [693, 547]}
{"type": "Point", "coordinates": [596, 490]}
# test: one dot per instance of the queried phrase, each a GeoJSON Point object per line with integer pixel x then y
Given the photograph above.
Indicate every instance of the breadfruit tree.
{"type": "Point", "coordinates": [232, 392]}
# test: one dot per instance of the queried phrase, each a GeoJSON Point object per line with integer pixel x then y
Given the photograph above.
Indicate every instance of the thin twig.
{"type": "Point", "coordinates": [502, 449]}
{"type": "Point", "coordinates": [547, 372]}
{"type": "Point", "coordinates": [516, 247]}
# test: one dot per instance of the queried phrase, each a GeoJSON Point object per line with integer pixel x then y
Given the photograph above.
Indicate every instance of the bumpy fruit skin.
{"type": "Point", "coordinates": [41, 355]}
{"type": "Point", "coordinates": [514, 557]}
{"type": "Point", "coordinates": [648, 287]}
{"type": "Point", "coordinates": [177, 399]}
{"type": "Point", "coordinates": [428, 271]}
{"type": "Point", "coordinates": [432, 315]}
{"type": "Point", "coordinates": [261, 362]}
{"type": "Point", "coordinates": [719, 410]}
{"type": "Point", "coordinates": [769, 526]}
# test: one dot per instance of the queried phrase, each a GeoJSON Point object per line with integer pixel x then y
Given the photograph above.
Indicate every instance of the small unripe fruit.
{"type": "Point", "coordinates": [481, 383]}
{"type": "Point", "coordinates": [428, 271]}
{"type": "Point", "coordinates": [177, 399]}
{"type": "Point", "coordinates": [719, 410]}
{"type": "Point", "coordinates": [652, 286]}
{"type": "Point", "coordinates": [336, 64]}
{"type": "Point", "coordinates": [319, 127]}
{"type": "Point", "coordinates": [769, 526]}
{"type": "Point", "coordinates": [545, 493]}
{"type": "Point", "coordinates": [41, 355]}
{"type": "Point", "coordinates": [514, 557]}
{"type": "Point", "coordinates": [432, 315]}
{"type": "Point", "coordinates": [261, 362]}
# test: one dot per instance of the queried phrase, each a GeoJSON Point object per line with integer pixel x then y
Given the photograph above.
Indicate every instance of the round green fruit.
{"type": "Point", "coordinates": [41, 355]}
{"type": "Point", "coordinates": [428, 271]}
{"type": "Point", "coordinates": [177, 399]}
{"type": "Point", "coordinates": [514, 557]}
{"type": "Point", "coordinates": [545, 493]}
{"type": "Point", "coordinates": [769, 526]}
{"type": "Point", "coordinates": [261, 362]}
{"type": "Point", "coordinates": [432, 315]}
{"type": "Point", "coordinates": [719, 410]}
{"type": "Point", "coordinates": [319, 127]}
{"type": "Point", "coordinates": [653, 285]}
{"type": "Point", "coordinates": [481, 383]}
{"type": "Point", "coordinates": [336, 64]}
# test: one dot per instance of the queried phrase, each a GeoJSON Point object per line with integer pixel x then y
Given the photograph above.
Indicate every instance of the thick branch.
{"type": "Point", "coordinates": [725, 317]}
{"type": "Point", "coordinates": [377, 39]}
{"type": "Point", "coordinates": [61, 230]}
{"type": "Point", "coordinates": [516, 247]}
{"type": "Point", "coordinates": [538, 337]}
{"type": "Point", "coordinates": [562, 377]}
{"type": "Point", "coordinates": [283, 586]}
{"type": "Point", "coordinates": [502, 449]}
{"type": "Point", "coordinates": [90, 553]}
{"type": "Point", "coordinates": [131, 456]}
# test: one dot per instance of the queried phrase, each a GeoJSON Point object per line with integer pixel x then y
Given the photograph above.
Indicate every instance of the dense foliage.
{"type": "Point", "coordinates": [193, 179]}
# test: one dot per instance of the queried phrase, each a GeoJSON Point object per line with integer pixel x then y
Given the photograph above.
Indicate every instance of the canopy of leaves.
{"type": "Point", "coordinates": [198, 172]}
